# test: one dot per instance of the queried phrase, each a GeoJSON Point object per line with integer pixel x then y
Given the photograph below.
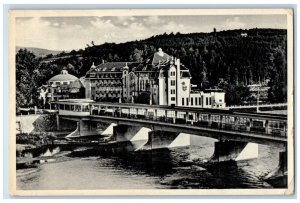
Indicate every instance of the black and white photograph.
{"type": "Point", "coordinates": [153, 102]}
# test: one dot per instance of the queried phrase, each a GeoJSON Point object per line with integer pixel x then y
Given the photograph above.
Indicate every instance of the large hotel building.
{"type": "Point", "coordinates": [159, 80]}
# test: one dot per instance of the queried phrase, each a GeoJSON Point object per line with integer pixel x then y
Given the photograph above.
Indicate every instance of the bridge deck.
{"type": "Point", "coordinates": [265, 126]}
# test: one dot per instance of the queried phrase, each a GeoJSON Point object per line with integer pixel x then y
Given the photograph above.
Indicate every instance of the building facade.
{"type": "Point", "coordinates": [160, 80]}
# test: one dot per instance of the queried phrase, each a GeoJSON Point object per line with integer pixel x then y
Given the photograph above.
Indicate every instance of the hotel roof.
{"type": "Point", "coordinates": [112, 67]}
{"type": "Point", "coordinates": [154, 62]}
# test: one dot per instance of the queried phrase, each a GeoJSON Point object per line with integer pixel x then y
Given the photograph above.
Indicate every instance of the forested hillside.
{"type": "Point", "coordinates": [238, 60]}
{"type": "Point", "coordinates": [38, 52]}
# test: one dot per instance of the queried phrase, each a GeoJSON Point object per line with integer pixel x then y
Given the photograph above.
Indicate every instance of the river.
{"type": "Point", "coordinates": [163, 168]}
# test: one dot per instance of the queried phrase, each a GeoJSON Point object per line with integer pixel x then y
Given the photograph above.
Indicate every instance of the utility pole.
{"type": "Point", "coordinates": [258, 91]}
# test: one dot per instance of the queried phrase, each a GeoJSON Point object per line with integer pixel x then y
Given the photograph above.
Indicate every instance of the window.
{"type": "Point", "coordinates": [65, 83]}
{"type": "Point", "coordinates": [192, 101]}
{"type": "Point", "coordinates": [182, 101]}
{"type": "Point", "coordinates": [220, 100]}
{"type": "Point", "coordinates": [187, 101]}
{"type": "Point", "coordinates": [206, 100]}
{"type": "Point", "coordinates": [209, 100]}
{"type": "Point", "coordinates": [172, 82]}
{"type": "Point", "coordinates": [172, 91]}
{"type": "Point", "coordinates": [172, 73]}
{"type": "Point", "coordinates": [196, 101]}
{"type": "Point", "coordinates": [172, 98]}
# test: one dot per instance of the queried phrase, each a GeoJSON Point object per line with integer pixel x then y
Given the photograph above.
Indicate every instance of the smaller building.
{"type": "Point", "coordinates": [244, 34]}
{"type": "Point", "coordinates": [217, 97]}
{"type": "Point", "coordinates": [259, 90]}
{"type": "Point", "coordinates": [61, 86]}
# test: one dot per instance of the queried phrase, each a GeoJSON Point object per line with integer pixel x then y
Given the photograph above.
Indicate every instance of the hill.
{"type": "Point", "coordinates": [38, 51]}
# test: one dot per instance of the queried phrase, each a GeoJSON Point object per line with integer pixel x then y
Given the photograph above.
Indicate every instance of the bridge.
{"type": "Point", "coordinates": [236, 131]}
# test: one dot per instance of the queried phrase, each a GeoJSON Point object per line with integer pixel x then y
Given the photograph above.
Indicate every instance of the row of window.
{"type": "Point", "coordinates": [144, 84]}
{"type": "Point", "coordinates": [101, 95]}
{"type": "Point", "coordinates": [59, 83]}
{"type": "Point", "coordinates": [68, 107]}
{"type": "Point", "coordinates": [60, 91]}
{"type": "Point", "coordinates": [93, 75]}
{"type": "Point", "coordinates": [197, 101]}
{"type": "Point", "coordinates": [107, 88]}
{"type": "Point", "coordinates": [105, 81]}
{"type": "Point", "coordinates": [208, 101]}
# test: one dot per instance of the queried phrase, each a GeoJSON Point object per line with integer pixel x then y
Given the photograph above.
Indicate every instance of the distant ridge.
{"type": "Point", "coordinates": [39, 52]}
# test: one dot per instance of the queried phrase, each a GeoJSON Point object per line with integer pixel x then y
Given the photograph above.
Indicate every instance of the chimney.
{"type": "Point", "coordinates": [102, 61]}
{"type": "Point", "coordinates": [93, 66]}
{"type": "Point", "coordinates": [172, 60]}
{"type": "Point", "coordinates": [178, 64]}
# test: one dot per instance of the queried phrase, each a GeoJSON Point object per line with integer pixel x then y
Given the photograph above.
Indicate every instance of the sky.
{"type": "Point", "coordinates": [68, 33]}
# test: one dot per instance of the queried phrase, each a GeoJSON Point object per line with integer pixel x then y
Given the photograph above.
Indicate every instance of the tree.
{"type": "Point", "coordinates": [26, 77]}
{"type": "Point", "coordinates": [234, 94]}
{"type": "Point", "coordinates": [278, 82]}
{"type": "Point", "coordinates": [136, 56]}
{"type": "Point", "coordinates": [49, 56]}
{"type": "Point", "coordinates": [73, 52]}
{"type": "Point", "coordinates": [204, 79]}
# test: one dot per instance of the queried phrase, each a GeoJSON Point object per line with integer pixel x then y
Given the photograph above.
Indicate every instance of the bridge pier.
{"type": "Point", "coordinates": [233, 151]}
{"type": "Point", "coordinates": [88, 128]}
{"type": "Point", "coordinates": [85, 128]}
{"type": "Point", "coordinates": [109, 131]}
{"type": "Point", "coordinates": [278, 177]}
{"type": "Point", "coordinates": [135, 136]}
{"type": "Point", "coordinates": [159, 139]}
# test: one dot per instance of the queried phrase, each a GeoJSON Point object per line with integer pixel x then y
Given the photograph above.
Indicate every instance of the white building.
{"type": "Point", "coordinates": [160, 80]}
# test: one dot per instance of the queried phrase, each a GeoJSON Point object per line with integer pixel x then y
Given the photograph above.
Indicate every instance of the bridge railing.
{"type": "Point", "coordinates": [255, 105]}
{"type": "Point", "coordinates": [221, 124]}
